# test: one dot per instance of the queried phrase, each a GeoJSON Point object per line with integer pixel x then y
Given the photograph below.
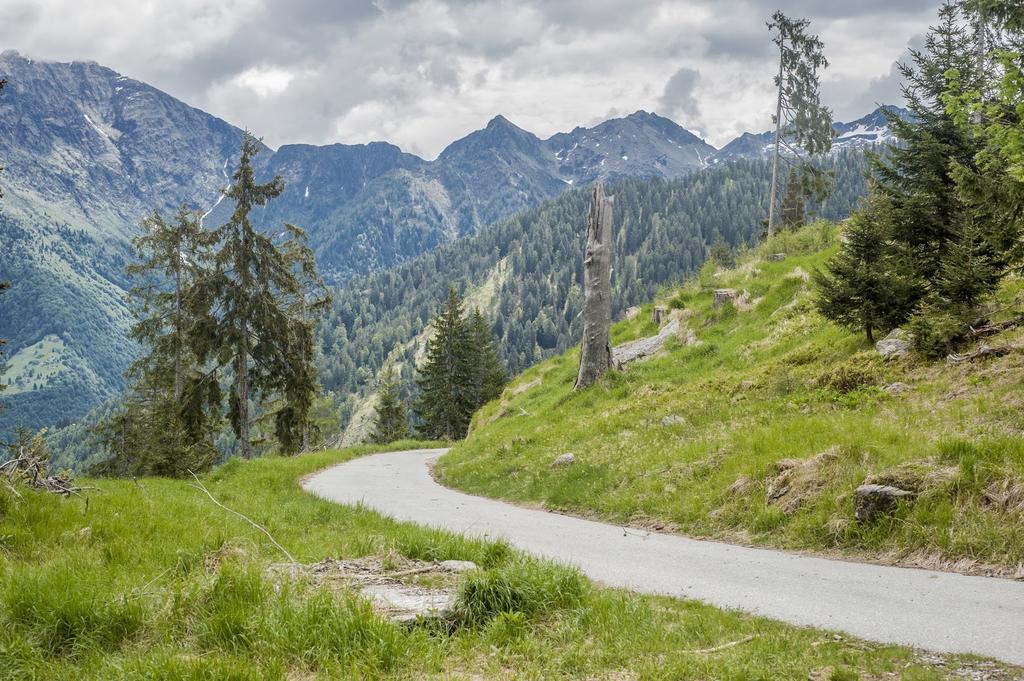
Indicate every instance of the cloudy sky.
{"type": "Point", "coordinates": [421, 73]}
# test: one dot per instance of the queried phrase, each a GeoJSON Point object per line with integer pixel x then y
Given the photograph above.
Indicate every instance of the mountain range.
{"type": "Point", "coordinates": [89, 152]}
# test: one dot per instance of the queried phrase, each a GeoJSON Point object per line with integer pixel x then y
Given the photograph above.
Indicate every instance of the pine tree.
{"type": "Point", "coordinates": [992, 189]}
{"type": "Point", "coordinates": [802, 124]}
{"type": "Point", "coordinates": [863, 288]}
{"type": "Point", "coordinates": [257, 330]}
{"type": "Point", "coordinates": [391, 423]}
{"type": "Point", "coordinates": [3, 287]}
{"type": "Point", "coordinates": [917, 174]}
{"type": "Point", "coordinates": [173, 260]}
{"type": "Point", "coordinates": [791, 209]}
{"type": "Point", "coordinates": [489, 376]}
{"type": "Point", "coordinates": [447, 395]}
{"type": "Point", "coordinates": [166, 425]}
{"type": "Point", "coordinates": [307, 303]}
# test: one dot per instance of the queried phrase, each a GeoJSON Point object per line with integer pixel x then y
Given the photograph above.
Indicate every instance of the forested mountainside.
{"type": "Point", "coordinates": [525, 272]}
{"type": "Point", "coordinates": [89, 152]}
{"type": "Point", "coordinates": [367, 221]}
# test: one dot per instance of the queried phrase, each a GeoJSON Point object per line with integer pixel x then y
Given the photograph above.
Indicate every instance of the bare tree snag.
{"type": "Point", "coordinates": [596, 353]}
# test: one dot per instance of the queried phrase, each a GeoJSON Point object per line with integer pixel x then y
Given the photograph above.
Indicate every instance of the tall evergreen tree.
{"type": "Point", "coordinates": [791, 209]}
{"type": "Point", "coordinates": [489, 376]}
{"type": "Point", "coordinates": [863, 288]}
{"type": "Point", "coordinates": [802, 123]}
{"type": "Point", "coordinates": [917, 174]}
{"type": "Point", "coordinates": [3, 287]}
{"type": "Point", "coordinates": [992, 188]}
{"type": "Point", "coordinates": [306, 303]}
{"type": "Point", "coordinates": [391, 423]}
{"type": "Point", "coordinates": [166, 424]}
{"type": "Point", "coordinates": [447, 394]}
{"type": "Point", "coordinates": [255, 328]}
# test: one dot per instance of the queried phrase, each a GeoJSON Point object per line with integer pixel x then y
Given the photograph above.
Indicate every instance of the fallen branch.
{"type": "Point", "coordinates": [731, 644]}
{"type": "Point", "coordinates": [983, 351]}
{"type": "Point", "coordinates": [200, 486]}
{"type": "Point", "coordinates": [988, 329]}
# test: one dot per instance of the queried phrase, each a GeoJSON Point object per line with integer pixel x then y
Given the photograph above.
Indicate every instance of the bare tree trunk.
{"type": "Point", "coordinates": [596, 353]}
{"type": "Point", "coordinates": [243, 389]}
{"type": "Point", "coordinates": [775, 156]}
{"type": "Point", "coordinates": [177, 326]}
{"type": "Point", "coordinates": [305, 422]}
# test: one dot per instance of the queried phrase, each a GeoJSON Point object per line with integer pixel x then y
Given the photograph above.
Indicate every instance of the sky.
{"type": "Point", "coordinates": [422, 73]}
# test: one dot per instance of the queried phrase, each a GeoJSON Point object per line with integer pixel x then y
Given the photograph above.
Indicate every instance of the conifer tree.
{"type": "Point", "coordinates": [916, 175]}
{"type": "Point", "coordinates": [391, 423]}
{"type": "Point", "coordinates": [489, 376]}
{"type": "Point", "coordinates": [3, 287]}
{"type": "Point", "coordinates": [447, 394]}
{"type": "Point", "coordinates": [802, 123]}
{"type": "Point", "coordinates": [255, 328]}
{"type": "Point", "coordinates": [993, 188]}
{"type": "Point", "coordinates": [791, 209]}
{"type": "Point", "coordinates": [863, 288]}
{"type": "Point", "coordinates": [166, 425]}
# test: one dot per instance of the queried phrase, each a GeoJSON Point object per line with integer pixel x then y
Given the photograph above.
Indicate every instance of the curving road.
{"type": "Point", "coordinates": [938, 611]}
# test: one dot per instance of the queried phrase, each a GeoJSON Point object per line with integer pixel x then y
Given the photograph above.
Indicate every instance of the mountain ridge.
{"type": "Point", "coordinates": [89, 152]}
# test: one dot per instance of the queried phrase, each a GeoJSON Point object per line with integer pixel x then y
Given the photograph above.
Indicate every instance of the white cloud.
{"type": "Point", "coordinates": [421, 73]}
{"type": "Point", "coordinates": [264, 81]}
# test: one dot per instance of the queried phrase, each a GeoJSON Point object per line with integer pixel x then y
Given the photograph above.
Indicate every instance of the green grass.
{"type": "Point", "coordinates": [766, 384]}
{"type": "Point", "coordinates": [150, 580]}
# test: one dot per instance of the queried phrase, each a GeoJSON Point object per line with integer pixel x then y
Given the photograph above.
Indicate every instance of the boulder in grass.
{"type": "Point", "coordinates": [877, 500]}
{"type": "Point", "coordinates": [566, 459]}
{"type": "Point", "coordinates": [897, 344]}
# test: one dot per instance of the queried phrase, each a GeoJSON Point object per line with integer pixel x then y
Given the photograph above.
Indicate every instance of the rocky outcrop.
{"type": "Point", "coordinates": [877, 500]}
{"type": "Point", "coordinates": [897, 344]}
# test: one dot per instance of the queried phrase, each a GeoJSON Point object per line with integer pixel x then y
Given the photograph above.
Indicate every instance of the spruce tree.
{"type": "Point", "coordinates": [447, 394]}
{"type": "Point", "coordinates": [166, 425]}
{"type": "Point", "coordinates": [391, 423]}
{"type": "Point", "coordinates": [256, 329]}
{"type": "Point", "coordinates": [992, 188]}
{"type": "Point", "coordinates": [802, 123]}
{"type": "Point", "coordinates": [916, 175]}
{"type": "Point", "coordinates": [863, 288]}
{"type": "Point", "coordinates": [3, 287]}
{"type": "Point", "coordinates": [489, 376]}
{"type": "Point", "coordinates": [791, 209]}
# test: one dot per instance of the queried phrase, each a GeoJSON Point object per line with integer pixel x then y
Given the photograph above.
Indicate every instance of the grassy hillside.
{"type": "Point", "coordinates": [761, 430]}
{"type": "Point", "coordinates": [151, 580]}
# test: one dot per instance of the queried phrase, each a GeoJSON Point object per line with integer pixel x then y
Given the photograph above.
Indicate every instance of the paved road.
{"type": "Point", "coordinates": [937, 611]}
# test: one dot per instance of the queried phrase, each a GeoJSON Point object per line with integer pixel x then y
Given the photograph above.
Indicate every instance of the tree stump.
{"type": "Point", "coordinates": [596, 353]}
{"type": "Point", "coordinates": [723, 296]}
{"type": "Point", "coordinates": [660, 313]}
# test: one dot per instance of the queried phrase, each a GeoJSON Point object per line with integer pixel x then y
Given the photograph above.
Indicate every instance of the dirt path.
{"type": "Point", "coordinates": [937, 611]}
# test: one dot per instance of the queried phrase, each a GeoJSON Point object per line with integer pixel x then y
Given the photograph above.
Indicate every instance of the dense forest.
{"type": "Point", "coordinates": [530, 268]}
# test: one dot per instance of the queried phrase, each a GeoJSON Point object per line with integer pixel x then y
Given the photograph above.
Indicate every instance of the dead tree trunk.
{"type": "Point", "coordinates": [596, 354]}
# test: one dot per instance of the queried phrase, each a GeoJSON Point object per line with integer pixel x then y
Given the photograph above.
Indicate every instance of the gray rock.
{"type": "Point", "coordinates": [896, 388]}
{"type": "Point", "coordinates": [403, 603]}
{"type": "Point", "coordinates": [566, 459]}
{"type": "Point", "coordinates": [876, 500]}
{"type": "Point", "coordinates": [896, 344]}
{"type": "Point", "coordinates": [723, 296]}
{"type": "Point", "coordinates": [673, 420]}
{"type": "Point", "coordinates": [644, 347]}
{"type": "Point", "coordinates": [776, 257]}
{"type": "Point", "coordinates": [457, 565]}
